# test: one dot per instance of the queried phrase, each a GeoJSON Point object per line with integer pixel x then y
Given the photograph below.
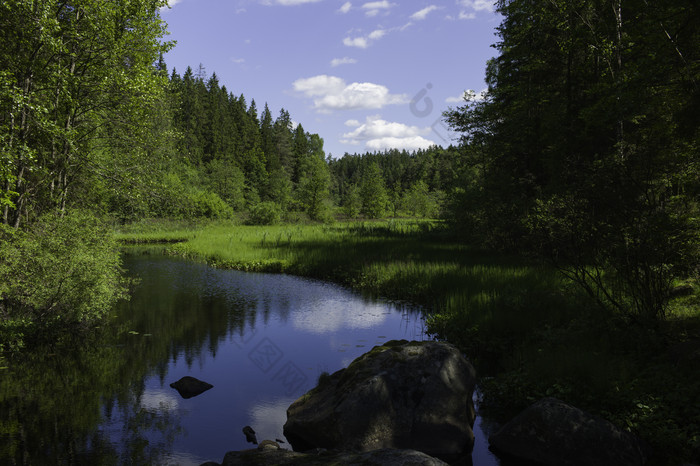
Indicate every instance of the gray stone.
{"type": "Point", "coordinates": [551, 432]}
{"type": "Point", "coordinates": [269, 445]}
{"type": "Point", "coordinates": [382, 457]}
{"type": "Point", "coordinates": [405, 395]}
{"type": "Point", "coordinates": [188, 386]}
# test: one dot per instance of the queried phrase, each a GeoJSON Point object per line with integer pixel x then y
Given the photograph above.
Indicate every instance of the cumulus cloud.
{"type": "Point", "coordinates": [471, 7]}
{"type": "Point", "coordinates": [343, 61]}
{"type": "Point", "coordinates": [374, 8]}
{"type": "Point", "coordinates": [479, 5]}
{"type": "Point", "coordinates": [347, 6]}
{"type": "Point", "coordinates": [331, 93]}
{"type": "Point", "coordinates": [365, 41]}
{"type": "Point", "coordinates": [378, 134]}
{"type": "Point", "coordinates": [359, 42]}
{"type": "Point", "coordinates": [422, 14]}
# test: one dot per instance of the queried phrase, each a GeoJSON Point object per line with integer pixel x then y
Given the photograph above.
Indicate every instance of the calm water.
{"type": "Point", "coordinates": [261, 340]}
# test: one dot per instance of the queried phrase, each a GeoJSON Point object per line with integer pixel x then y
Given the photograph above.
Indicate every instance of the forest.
{"type": "Point", "coordinates": [582, 157]}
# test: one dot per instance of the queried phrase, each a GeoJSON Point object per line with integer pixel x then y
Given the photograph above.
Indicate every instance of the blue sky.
{"type": "Point", "coordinates": [364, 75]}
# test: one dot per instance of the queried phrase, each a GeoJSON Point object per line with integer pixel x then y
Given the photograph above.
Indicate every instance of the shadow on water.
{"type": "Point", "coordinates": [260, 340]}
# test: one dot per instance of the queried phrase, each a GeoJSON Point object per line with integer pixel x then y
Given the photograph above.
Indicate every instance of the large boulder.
{"type": "Point", "coordinates": [384, 457]}
{"type": "Point", "coordinates": [551, 432]}
{"type": "Point", "coordinates": [404, 395]}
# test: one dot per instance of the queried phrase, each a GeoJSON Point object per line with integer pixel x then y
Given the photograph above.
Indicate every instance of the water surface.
{"type": "Point", "coordinates": [261, 340]}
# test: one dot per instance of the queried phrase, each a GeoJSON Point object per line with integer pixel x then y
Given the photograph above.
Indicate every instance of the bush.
{"type": "Point", "coordinates": [60, 272]}
{"type": "Point", "coordinates": [265, 213]}
{"type": "Point", "coordinates": [209, 205]}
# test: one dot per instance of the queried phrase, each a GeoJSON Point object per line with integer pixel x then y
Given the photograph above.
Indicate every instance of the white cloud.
{"type": "Point", "coordinates": [377, 34]}
{"type": "Point", "coordinates": [374, 8]}
{"type": "Point", "coordinates": [422, 14]}
{"type": "Point", "coordinates": [366, 41]}
{"type": "Point", "coordinates": [319, 85]}
{"type": "Point", "coordinates": [352, 123]}
{"type": "Point", "coordinates": [479, 5]}
{"type": "Point", "coordinates": [359, 42]}
{"type": "Point", "coordinates": [347, 6]}
{"type": "Point", "coordinates": [238, 60]}
{"type": "Point", "coordinates": [378, 134]}
{"type": "Point", "coordinates": [332, 93]}
{"type": "Point", "coordinates": [343, 61]}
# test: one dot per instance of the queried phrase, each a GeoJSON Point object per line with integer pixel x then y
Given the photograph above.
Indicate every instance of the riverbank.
{"type": "Point", "coordinates": [529, 332]}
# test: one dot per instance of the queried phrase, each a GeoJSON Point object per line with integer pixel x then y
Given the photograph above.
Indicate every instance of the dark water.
{"type": "Point", "coordinates": [261, 341]}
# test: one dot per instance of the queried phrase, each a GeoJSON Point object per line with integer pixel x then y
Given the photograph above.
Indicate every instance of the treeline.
{"type": "Point", "coordinates": [394, 182]}
{"type": "Point", "coordinates": [226, 158]}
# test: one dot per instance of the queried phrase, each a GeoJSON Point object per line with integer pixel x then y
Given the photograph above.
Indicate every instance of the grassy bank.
{"type": "Point", "coordinates": [530, 333]}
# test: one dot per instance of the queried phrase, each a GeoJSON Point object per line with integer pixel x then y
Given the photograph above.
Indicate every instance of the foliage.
{"type": "Point", "coordinates": [582, 149]}
{"type": "Point", "coordinates": [62, 272]}
{"type": "Point", "coordinates": [265, 213]}
{"type": "Point", "coordinates": [75, 75]}
{"type": "Point", "coordinates": [373, 192]}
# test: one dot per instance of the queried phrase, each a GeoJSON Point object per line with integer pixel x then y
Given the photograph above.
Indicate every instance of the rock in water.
{"type": "Point", "coordinates": [188, 386]}
{"type": "Point", "coordinates": [405, 395]}
{"type": "Point", "coordinates": [551, 432]}
{"type": "Point", "coordinates": [250, 435]}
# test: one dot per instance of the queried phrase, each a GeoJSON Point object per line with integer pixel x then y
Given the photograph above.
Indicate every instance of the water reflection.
{"type": "Point", "coordinates": [260, 340]}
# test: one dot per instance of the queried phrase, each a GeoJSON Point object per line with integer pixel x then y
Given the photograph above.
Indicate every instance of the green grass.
{"type": "Point", "coordinates": [151, 231]}
{"type": "Point", "coordinates": [529, 332]}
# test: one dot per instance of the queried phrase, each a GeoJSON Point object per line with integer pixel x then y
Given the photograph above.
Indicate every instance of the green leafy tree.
{"type": "Point", "coordinates": [228, 181]}
{"type": "Point", "coordinates": [418, 200]}
{"type": "Point", "coordinates": [352, 202]}
{"type": "Point", "coordinates": [373, 192]}
{"type": "Point", "coordinates": [313, 188]}
{"type": "Point", "coordinates": [279, 188]}
{"type": "Point", "coordinates": [68, 69]}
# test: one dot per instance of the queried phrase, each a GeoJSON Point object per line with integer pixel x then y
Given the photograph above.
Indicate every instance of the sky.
{"type": "Point", "coordinates": [364, 75]}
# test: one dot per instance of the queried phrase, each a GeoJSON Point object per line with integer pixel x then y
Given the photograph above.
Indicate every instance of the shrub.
{"type": "Point", "coordinates": [60, 272]}
{"type": "Point", "coordinates": [265, 213]}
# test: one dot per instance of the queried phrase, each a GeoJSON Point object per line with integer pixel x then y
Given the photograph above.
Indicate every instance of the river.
{"type": "Point", "coordinates": [261, 340]}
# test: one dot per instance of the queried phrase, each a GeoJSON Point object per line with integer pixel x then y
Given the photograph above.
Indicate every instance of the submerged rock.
{"type": "Point", "coordinates": [188, 386]}
{"type": "Point", "coordinates": [405, 395]}
{"type": "Point", "coordinates": [250, 435]}
{"type": "Point", "coordinates": [551, 432]}
{"type": "Point", "coordinates": [383, 457]}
